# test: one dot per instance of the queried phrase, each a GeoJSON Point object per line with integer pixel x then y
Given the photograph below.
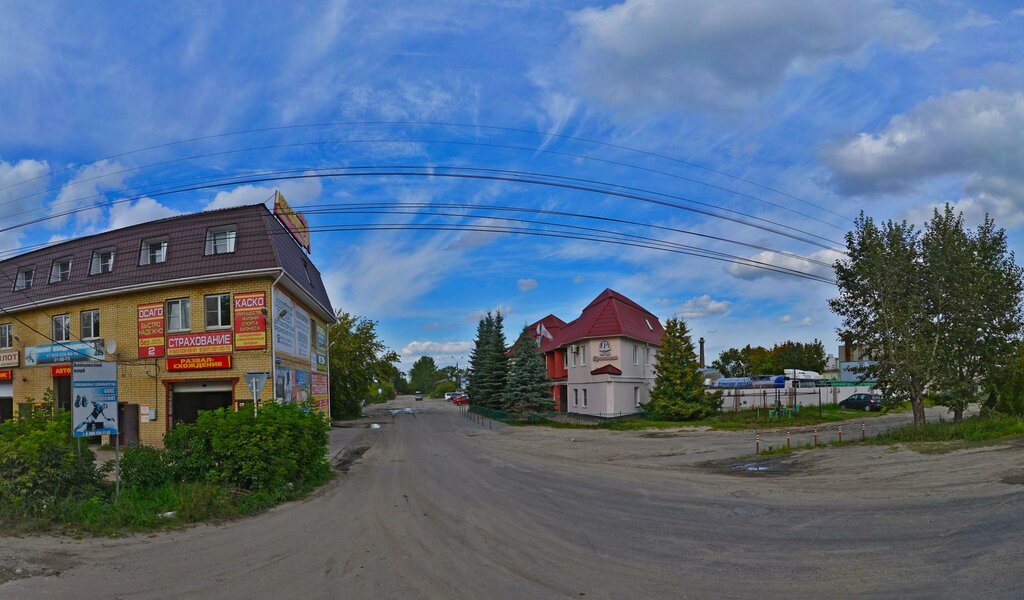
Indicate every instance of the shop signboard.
{"type": "Point", "coordinates": [294, 222]}
{"type": "Point", "coordinates": [6, 375]}
{"type": "Point", "coordinates": [63, 352]}
{"type": "Point", "coordinates": [198, 344]}
{"type": "Point", "coordinates": [198, 363]}
{"type": "Point", "coordinates": [321, 348]}
{"type": "Point", "coordinates": [94, 394]}
{"type": "Point", "coordinates": [151, 330]}
{"type": "Point", "coordinates": [10, 358]}
{"type": "Point", "coordinates": [301, 389]}
{"type": "Point", "coordinates": [250, 321]}
{"type": "Point", "coordinates": [303, 341]}
{"type": "Point", "coordinates": [60, 371]}
{"type": "Point", "coordinates": [320, 387]}
{"type": "Point", "coordinates": [284, 324]}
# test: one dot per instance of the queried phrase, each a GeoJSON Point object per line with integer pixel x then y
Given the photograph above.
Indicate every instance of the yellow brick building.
{"type": "Point", "coordinates": [185, 307]}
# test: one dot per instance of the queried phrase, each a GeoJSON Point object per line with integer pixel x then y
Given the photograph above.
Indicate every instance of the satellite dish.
{"type": "Point", "coordinates": [111, 346]}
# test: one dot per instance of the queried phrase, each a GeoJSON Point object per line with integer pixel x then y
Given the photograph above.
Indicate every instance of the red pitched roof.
{"type": "Point", "coordinates": [553, 325]}
{"type": "Point", "coordinates": [611, 314]}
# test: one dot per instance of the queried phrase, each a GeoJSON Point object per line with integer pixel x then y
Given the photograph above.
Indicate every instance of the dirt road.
{"type": "Point", "coordinates": [442, 507]}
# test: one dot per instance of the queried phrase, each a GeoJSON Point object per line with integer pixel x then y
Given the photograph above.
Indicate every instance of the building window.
{"type": "Point", "coordinates": [636, 354]}
{"type": "Point", "coordinates": [178, 315]}
{"type": "Point", "coordinates": [153, 251]}
{"type": "Point", "coordinates": [61, 270]}
{"type": "Point", "coordinates": [218, 311]}
{"type": "Point", "coordinates": [102, 261]}
{"type": "Point", "coordinates": [575, 397]}
{"type": "Point", "coordinates": [636, 397]}
{"type": "Point", "coordinates": [565, 360]}
{"type": "Point", "coordinates": [584, 397]}
{"type": "Point", "coordinates": [647, 356]}
{"type": "Point", "coordinates": [575, 354]}
{"type": "Point", "coordinates": [61, 328]}
{"type": "Point", "coordinates": [24, 279]}
{"type": "Point", "coordinates": [6, 338]}
{"type": "Point", "coordinates": [583, 363]}
{"type": "Point", "coordinates": [90, 324]}
{"type": "Point", "coordinates": [220, 240]}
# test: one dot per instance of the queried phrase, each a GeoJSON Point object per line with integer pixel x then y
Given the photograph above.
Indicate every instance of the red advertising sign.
{"type": "Point", "coordinates": [60, 371]}
{"type": "Point", "coordinates": [320, 387]}
{"type": "Point", "coordinates": [151, 330]}
{"type": "Point", "coordinates": [250, 321]}
{"type": "Point", "coordinates": [199, 363]}
{"type": "Point", "coordinates": [197, 344]}
{"type": "Point", "coordinates": [6, 375]}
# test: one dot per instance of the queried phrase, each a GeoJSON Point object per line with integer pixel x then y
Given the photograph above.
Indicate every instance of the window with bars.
{"type": "Point", "coordinates": [61, 270]}
{"type": "Point", "coordinates": [153, 251]}
{"type": "Point", "coordinates": [220, 240]}
{"type": "Point", "coordinates": [61, 331]}
{"type": "Point", "coordinates": [102, 261]}
{"type": "Point", "coordinates": [24, 279]}
{"type": "Point", "coordinates": [6, 336]}
{"type": "Point", "coordinates": [218, 311]}
{"type": "Point", "coordinates": [90, 324]}
{"type": "Point", "coordinates": [178, 314]}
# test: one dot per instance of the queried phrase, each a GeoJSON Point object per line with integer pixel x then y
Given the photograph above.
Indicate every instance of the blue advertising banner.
{"type": "Point", "coordinates": [63, 353]}
{"type": "Point", "coordinates": [94, 394]}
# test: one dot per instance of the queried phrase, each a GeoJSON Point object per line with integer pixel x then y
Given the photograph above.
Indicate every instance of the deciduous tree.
{"type": "Point", "coordinates": [358, 359]}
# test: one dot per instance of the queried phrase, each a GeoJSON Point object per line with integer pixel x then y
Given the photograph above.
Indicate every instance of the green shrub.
{"type": "Point", "coordinates": [285, 447]}
{"type": "Point", "coordinates": [144, 468]}
{"type": "Point", "coordinates": [40, 465]}
{"type": "Point", "coordinates": [442, 388]}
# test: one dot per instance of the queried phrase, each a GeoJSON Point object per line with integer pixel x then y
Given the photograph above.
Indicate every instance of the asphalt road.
{"type": "Point", "coordinates": [440, 506]}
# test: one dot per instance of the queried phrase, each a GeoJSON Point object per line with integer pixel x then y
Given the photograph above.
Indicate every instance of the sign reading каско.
{"type": "Point", "coordinates": [250, 321]}
{"type": "Point", "coordinates": [196, 344]}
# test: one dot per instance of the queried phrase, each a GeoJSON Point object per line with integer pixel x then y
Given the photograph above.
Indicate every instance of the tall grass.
{"type": "Point", "coordinates": [973, 429]}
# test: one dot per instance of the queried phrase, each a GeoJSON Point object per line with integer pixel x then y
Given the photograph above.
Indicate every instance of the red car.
{"type": "Point", "coordinates": [460, 399]}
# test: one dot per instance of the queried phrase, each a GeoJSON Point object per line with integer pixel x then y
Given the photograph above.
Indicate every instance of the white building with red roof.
{"type": "Point", "coordinates": [602, 363]}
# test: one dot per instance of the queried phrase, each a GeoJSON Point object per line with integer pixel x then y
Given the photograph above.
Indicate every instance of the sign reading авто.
{"type": "Point", "coordinates": [151, 330]}
{"type": "Point", "coordinates": [196, 344]}
{"type": "Point", "coordinates": [250, 321]}
{"type": "Point", "coordinates": [294, 222]}
{"type": "Point", "coordinates": [94, 399]}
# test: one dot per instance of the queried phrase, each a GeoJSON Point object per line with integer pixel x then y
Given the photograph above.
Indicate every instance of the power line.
{"type": "Point", "coordinates": [446, 124]}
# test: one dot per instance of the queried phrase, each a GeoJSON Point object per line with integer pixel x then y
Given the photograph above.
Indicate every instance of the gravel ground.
{"type": "Point", "coordinates": [438, 506]}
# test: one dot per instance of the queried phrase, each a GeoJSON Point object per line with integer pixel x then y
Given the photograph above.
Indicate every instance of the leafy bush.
{"type": "Point", "coordinates": [284, 447]}
{"type": "Point", "coordinates": [442, 388]}
{"type": "Point", "coordinates": [144, 468]}
{"type": "Point", "coordinates": [40, 465]}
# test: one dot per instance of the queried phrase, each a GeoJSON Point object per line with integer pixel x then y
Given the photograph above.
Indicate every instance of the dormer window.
{"type": "Point", "coordinates": [61, 270]}
{"type": "Point", "coordinates": [220, 240]}
{"type": "Point", "coordinates": [102, 261]}
{"type": "Point", "coordinates": [24, 279]}
{"type": "Point", "coordinates": [153, 251]}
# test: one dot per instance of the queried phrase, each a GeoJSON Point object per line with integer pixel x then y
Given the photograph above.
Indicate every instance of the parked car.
{"type": "Point", "coordinates": [458, 399]}
{"type": "Point", "coordinates": [419, 396]}
{"type": "Point", "coordinates": [864, 402]}
{"type": "Point", "coordinates": [448, 396]}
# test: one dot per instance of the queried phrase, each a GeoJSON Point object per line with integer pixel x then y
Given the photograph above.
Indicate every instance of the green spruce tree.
{"type": "Point", "coordinates": [493, 382]}
{"type": "Point", "coordinates": [480, 364]}
{"type": "Point", "coordinates": [679, 393]}
{"type": "Point", "coordinates": [526, 388]}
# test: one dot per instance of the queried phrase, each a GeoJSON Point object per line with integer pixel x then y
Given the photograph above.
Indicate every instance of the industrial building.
{"type": "Point", "coordinates": [185, 306]}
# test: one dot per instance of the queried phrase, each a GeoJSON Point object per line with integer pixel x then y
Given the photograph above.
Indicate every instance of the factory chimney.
{"type": "Point", "coordinates": [702, 365]}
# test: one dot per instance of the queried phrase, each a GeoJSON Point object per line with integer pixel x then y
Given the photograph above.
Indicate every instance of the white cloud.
{"type": "Point", "coordinates": [476, 315]}
{"type": "Point", "coordinates": [662, 301]}
{"type": "Point", "coordinates": [20, 184]}
{"type": "Point", "coordinates": [715, 53]}
{"type": "Point", "coordinates": [525, 285]}
{"type": "Point", "coordinates": [703, 306]}
{"type": "Point", "coordinates": [141, 211]}
{"type": "Point", "coordinates": [785, 319]}
{"type": "Point", "coordinates": [578, 279]}
{"type": "Point", "coordinates": [295, 191]}
{"type": "Point", "coordinates": [806, 321]}
{"type": "Point", "coordinates": [416, 348]}
{"type": "Point", "coordinates": [959, 133]}
{"type": "Point", "coordinates": [88, 187]}
{"type": "Point", "coordinates": [785, 261]}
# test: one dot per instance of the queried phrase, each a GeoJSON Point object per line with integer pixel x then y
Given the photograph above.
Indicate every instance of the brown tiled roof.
{"type": "Point", "coordinates": [612, 314]}
{"type": "Point", "coordinates": [261, 243]}
{"type": "Point", "coordinates": [607, 370]}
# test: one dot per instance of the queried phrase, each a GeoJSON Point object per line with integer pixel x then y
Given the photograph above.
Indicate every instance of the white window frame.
{"type": "Point", "coordinates": [636, 354]}
{"type": "Point", "coordinates": [146, 251]}
{"type": "Point", "coordinates": [565, 360]}
{"type": "Point", "coordinates": [636, 396]}
{"type": "Point", "coordinates": [575, 396]}
{"type": "Point", "coordinates": [220, 324]}
{"type": "Point", "coordinates": [92, 330]}
{"type": "Point", "coordinates": [575, 354]}
{"type": "Point", "coordinates": [64, 323]}
{"type": "Point", "coordinates": [647, 356]}
{"type": "Point", "coordinates": [57, 271]}
{"type": "Point", "coordinates": [7, 335]}
{"type": "Point", "coordinates": [583, 358]}
{"type": "Point", "coordinates": [185, 316]}
{"type": "Point", "coordinates": [584, 397]}
{"type": "Point", "coordinates": [97, 266]}
{"type": "Point", "coordinates": [24, 279]}
{"type": "Point", "coordinates": [230, 235]}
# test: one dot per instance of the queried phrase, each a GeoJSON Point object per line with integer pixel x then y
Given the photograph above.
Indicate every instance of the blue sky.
{"type": "Point", "coordinates": [798, 113]}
